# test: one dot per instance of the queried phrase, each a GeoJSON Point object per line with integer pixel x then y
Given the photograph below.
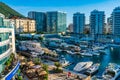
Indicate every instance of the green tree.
{"type": "Point", "coordinates": [41, 38]}
{"type": "Point", "coordinates": [37, 61]}
{"type": "Point", "coordinates": [45, 67]}
{"type": "Point", "coordinates": [57, 64]}
{"type": "Point", "coordinates": [20, 78]}
{"type": "Point", "coordinates": [58, 68]}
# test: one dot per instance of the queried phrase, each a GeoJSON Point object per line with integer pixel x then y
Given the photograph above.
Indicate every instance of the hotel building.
{"type": "Point", "coordinates": [9, 63]}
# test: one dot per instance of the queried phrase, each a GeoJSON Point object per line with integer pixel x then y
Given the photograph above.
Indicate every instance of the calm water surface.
{"type": "Point", "coordinates": [113, 56]}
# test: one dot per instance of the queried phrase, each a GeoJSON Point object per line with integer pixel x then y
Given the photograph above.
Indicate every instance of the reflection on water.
{"type": "Point", "coordinates": [113, 55]}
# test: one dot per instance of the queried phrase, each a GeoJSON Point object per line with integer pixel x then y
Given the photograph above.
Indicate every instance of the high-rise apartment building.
{"type": "Point", "coordinates": [56, 22]}
{"type": "Point", "coordinates": [97, 22]}
{"type": "Point", "coordinates": [108, 25]}
{"type": "Point", "coordinates": [109, 20]}
{"type": "Point", "coordinates": [116, 21]}
{"type": "Point", "coordinates": [78, 23]}
{"type": "Point", "coordinates": [40, 18]}
{"type": "Point", "coordinates": [9, 63]}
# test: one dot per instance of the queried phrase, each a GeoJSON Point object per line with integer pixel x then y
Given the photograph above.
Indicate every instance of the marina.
{"type": "Point", "coordinates": [103, 60]}
{"type": "Point", "coordinates": [60, 40]}
{"type": "Point", "coordinates": [91, 60]}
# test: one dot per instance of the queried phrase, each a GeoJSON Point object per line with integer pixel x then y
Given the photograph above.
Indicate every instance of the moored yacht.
{"type": "Point", "coordinates": [83, 46]}
{"type": "Point", "coordinates": [86, 54]}
{"type": "Point", "coordinates": [58, 50]}
{"type": "Point", "coordinates": [97, 78]}
{"type": "Point", "coordinates": [114, 45]}
{"type": "Point", "coordinates": [102, 51]}
{"type": "Point", "coordinates": [81, 66]}
{"type": "Point", "coordinates": [93, 69]}
{"type": "Point", "coordinates": [112, 72]}
{"type": "Point", "coordinates": [96, 54]}
{"type": "Point", "coordinates": [70, 52]}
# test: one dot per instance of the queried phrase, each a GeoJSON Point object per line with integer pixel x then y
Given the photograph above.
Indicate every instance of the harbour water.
{"type": "Point", "coordinates": [112, 56]}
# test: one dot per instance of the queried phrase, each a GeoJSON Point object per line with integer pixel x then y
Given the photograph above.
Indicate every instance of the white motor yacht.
{"type": "Point", "coordinates": [70, 52]}
{"type": "Point", "coordinates": [112, 72]}
{"type": "Point", "coordinates": [81, 66]}
{"type": "Point", "coordinates": [97, 78]}
{"type": "Point", "coordinates": [96, 54]}
{"type": "Point", "coordinates": [86, 54]}
{"type": "Point", "coordinates": [58, 50]}
{"type": "Point", "coordinates": [102, 51]}
{"type": "Point", "coordinates": [93, 69]}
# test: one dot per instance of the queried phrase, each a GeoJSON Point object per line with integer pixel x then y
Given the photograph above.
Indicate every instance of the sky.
{"type": "Point", "coordinates": [68, 6]}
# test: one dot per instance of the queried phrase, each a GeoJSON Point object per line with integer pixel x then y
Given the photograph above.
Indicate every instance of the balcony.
{"type": "Point", "coordinates": [5, 30]}
{"type": "Point", "coordinates": [6, 54]}
{"type": "Point", "coordinates": [11, 67]}
{"type": "Point", "coordinates": [5, 42]}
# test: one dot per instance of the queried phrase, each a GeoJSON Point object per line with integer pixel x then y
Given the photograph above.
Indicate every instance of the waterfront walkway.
{"type": "Point", "coordinates": [76, 73]}
{"type": "Point", "coordinates": [24, 77]}
{"type": "Point", "coordinates": [63, 76]}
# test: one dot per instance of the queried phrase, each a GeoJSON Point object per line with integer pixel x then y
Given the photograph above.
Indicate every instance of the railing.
{"type": "Point", "coordinates": [5, 30]}
{"type": "Point", "coordinates": [6, 54]}
{"type": "Point", "coordinates": [4, 42]}
{"type": "Point", "coordinates": [7, 74]}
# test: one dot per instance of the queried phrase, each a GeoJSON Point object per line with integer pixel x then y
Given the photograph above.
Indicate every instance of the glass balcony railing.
{"type": "Point", "coordinates": [5, 42]}
{"type": "Point", "coordinates": [11, 67]}
{"type": "Point", "coordinates": [6, 54]}
{"type": "Point", "coordinates": [6, 27]}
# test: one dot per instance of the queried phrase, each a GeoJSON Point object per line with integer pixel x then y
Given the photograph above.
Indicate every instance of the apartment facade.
{"type": "Point", "coordinates": [97, 22]}
{"type": "Point", "coordinates": [78, 23]}
{"type": "Point", "coordinates": [40, 18]}
{"type": "Point", "coordinates": [116, 21]}
{"type": "Point", "coordinates": [56, 22]}
{"type": "Point", "coordinates": [24, 25]}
